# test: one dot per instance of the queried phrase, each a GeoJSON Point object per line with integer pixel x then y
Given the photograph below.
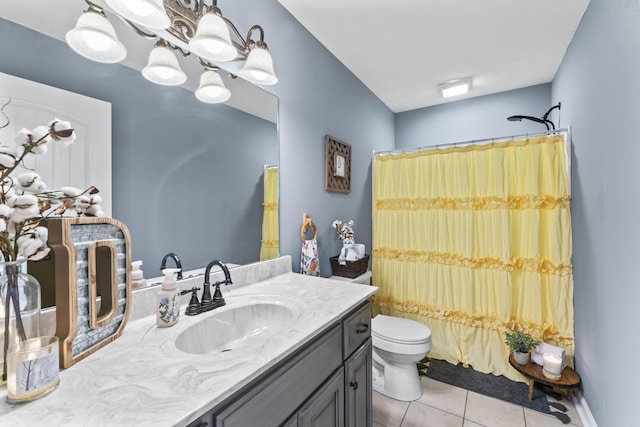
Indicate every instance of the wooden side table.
{"type": "Point", "coordinates": [568, 382]}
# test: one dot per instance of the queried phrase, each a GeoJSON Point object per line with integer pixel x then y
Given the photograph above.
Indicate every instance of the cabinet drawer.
{"type": "Point", "coordinates": [356, 328]}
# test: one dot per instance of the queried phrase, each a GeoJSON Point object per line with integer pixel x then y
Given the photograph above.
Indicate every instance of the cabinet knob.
{"type": "Point", "coordinates": [364, 327]}
{"type": "Point", "coordinates": [354, 385]}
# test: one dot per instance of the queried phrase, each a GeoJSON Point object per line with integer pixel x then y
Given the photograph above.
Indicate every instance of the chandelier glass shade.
{"type": "Point", "coordinates": [191, 27]}
{"type": "Point", "coordinates": [211, 89]}
{"type": "Point", "coordinates": [259, 67]}
{"type": "Point", "coordinates": [94, 38]}
{"type": "Point", "coordinates": [163, 67]}
{"type": "Point", "coordinates": [212, 40]}
{"type": "Point", "coordinates": [148, 13]}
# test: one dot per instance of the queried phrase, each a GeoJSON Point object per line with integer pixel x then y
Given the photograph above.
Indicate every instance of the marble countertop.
{"type": "Point", "coordinates": [142, 379]}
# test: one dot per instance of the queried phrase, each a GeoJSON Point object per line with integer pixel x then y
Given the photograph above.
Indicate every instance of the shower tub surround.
{"type": "Point", "coordinates": [143, 379]}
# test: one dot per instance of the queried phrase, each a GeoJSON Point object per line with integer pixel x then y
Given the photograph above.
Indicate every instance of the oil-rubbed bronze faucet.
{"type": "Point", "coordinates": [208, 302]}
{"type": "Point", "coordinates": [163, 264]}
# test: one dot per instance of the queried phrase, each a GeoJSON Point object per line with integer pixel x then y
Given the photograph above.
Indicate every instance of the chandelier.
{"type": "Point", "coordinates": [186, 26]}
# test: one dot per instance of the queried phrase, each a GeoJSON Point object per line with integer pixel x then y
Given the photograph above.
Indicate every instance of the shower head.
{"type": "Point", "coordinates": [544, 120]}
{"type": "Point", "coordinates": [533, 119]}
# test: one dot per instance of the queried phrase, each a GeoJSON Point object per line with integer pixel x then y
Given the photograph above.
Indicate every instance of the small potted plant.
{"type": "Point", "coordinates": [521, 344]}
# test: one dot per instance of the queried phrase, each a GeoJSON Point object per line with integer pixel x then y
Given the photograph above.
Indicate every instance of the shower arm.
{"type": "Point", "coordinates": [546, 115]}
{"type": "Point", "coordinates": [544, 120]}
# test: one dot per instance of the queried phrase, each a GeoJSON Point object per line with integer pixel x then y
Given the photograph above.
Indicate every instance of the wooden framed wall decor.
{"type": "Point", "coordinates": [337, 157]}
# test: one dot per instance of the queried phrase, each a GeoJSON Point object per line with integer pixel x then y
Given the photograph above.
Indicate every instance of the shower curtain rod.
{"type": "Point", "coordinates": [473, 141]}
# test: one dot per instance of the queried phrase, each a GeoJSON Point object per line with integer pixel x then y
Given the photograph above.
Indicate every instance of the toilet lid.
{"type": "Point", "coordinates": [399, 330]}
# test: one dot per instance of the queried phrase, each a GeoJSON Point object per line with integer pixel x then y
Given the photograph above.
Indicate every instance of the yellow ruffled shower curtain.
{"type": "Point", "coordinates": [270, 244]}
{"type": "Point", "coordinates": [474, 241]}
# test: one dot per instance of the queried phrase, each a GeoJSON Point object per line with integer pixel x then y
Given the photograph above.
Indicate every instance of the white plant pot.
{"type": "Point", "coordinates": [521, 358]}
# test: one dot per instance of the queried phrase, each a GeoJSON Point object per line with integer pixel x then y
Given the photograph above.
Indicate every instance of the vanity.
{"type": "Point", "coordinates": [286, 349]}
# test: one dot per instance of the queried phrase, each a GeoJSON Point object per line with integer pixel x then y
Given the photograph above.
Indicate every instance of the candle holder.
{"type": "Point", "coordinates": [32, 369]}
{"type": "Point", "coordinates": [552, 366]}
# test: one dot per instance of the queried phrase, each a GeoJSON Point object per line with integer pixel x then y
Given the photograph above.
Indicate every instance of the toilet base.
{"type": "Point", "coordinates": [399, 382]}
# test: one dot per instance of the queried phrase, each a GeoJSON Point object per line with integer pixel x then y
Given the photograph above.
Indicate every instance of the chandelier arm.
{"type": "Point", "coordinates": [134, 27]}
{"type": "Point", "coordinates": [250, 33]}
{"type": "Point", "coordinates": [207, 65]}
{"type": "Point", "coordinates": [243, 45]}
{"type": "Point", "coordinates": [182, 51]}
{"type": "Point", "coordinates": [94, 8]}
{"type": "Point", "coordinates": [204, 8]}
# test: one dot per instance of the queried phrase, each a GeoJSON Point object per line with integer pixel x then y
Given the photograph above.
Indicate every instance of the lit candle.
{"type": "Point", "coordinates": [32, 369]}
{"type": "Point", "coordinates": [552, 363]}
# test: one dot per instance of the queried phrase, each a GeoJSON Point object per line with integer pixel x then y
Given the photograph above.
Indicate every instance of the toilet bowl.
{"type": "Point", "coordinates": [398, 344]}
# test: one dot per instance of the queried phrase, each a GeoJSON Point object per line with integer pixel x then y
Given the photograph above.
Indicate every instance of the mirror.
{"type": "Point", "coordinates": [187, 177]}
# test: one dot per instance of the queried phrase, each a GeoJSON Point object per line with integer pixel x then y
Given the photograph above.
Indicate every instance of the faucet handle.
{"type": "Point", "coordinates": [217, 295]}
{"type": "Point", "coordinates": [194, 304]}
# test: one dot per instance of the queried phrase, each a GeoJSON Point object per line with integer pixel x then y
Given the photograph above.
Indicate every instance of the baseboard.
{"type": "Point", "coordinates": [583, 410]}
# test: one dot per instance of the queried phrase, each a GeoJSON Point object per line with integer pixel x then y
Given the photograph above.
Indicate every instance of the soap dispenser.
{"type": "Point", "coordinates": [168, 300]}
{"type": "Point", "coordinates": [137, 277]}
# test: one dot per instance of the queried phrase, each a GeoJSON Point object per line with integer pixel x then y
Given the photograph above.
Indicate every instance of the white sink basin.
{"type": "Point", "coordinates": [233, 327]}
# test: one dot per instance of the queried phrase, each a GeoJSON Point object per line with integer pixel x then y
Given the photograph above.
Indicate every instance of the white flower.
{"type": "Point", "coordinates": [25, 207]}
{"type": "Point", "coordinates": [94, 210]}
{"type": "Point", "coordinates": [36, 140]}
{"type": "Point", "coordinates": [33, 246]}
{"type": "Point", "coordinates": [81, 203]}
{"type": "Point", "coordinates": [39, 139]}
{"type": "Point", "coordinates": [89, 205]}
{"type": "Point", "coordinates": [30, 181]}
{"type": "Point", "coordinates": [5, 211]}
{"type": "Point", "coordinates": [23, 137]}
{"type": "Point", "coordinates": [41, 233]}
{"type": "Point", "coordinates": [70, 191]}
{"type": "Point", "coordinates": [62, 131]}
{"type": "Point", "coordinates": [40, 149]}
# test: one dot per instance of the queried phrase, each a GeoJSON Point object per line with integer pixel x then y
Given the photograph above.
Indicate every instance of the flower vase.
{"type": "Point", "coordinates": [19, 309]}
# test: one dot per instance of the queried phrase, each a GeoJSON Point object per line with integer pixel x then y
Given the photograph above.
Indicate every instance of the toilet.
{"type": "Point", "coordinates": [398, 345]}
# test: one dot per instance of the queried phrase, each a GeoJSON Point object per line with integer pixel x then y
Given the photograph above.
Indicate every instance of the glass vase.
{"type": "Point", "coordinates": [19, 308]}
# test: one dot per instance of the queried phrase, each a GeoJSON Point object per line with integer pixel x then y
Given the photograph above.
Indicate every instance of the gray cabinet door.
{"type": "Point", "coordinates": [326, 407]}
{"type": "Point", "coordinates": [358, 386]}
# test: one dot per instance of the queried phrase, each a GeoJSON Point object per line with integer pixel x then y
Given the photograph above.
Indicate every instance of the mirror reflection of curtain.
{"type": "Point", "coordinates": [474, 241]}
{"type": "Point", "coordinates": [270, 245]}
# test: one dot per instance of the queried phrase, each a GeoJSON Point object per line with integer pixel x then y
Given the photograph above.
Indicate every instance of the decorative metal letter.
{"type": "Point", "coordinates": [92, 275]}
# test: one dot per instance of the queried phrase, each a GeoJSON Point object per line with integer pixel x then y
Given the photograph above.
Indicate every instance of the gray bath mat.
{"type": "Point", "coordinates": [498, 387]}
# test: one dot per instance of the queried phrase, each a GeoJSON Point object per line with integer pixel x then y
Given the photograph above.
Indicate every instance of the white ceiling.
{"type": "Point", "coordinates": [401, 50]}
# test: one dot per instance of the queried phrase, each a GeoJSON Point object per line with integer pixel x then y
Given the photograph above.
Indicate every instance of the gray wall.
{"type": "Point", "coordinates": [318, 96]}
{"type": "Point", "coordinates": [472, 119]}
{"type": "Point", "coordinates": [600, 92]}
{"type": "Point", "coordinates": [174, 157]}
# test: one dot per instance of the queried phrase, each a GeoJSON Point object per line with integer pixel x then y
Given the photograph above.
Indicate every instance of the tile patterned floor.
{"type": "Point", "coordinates": [444, 405]}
